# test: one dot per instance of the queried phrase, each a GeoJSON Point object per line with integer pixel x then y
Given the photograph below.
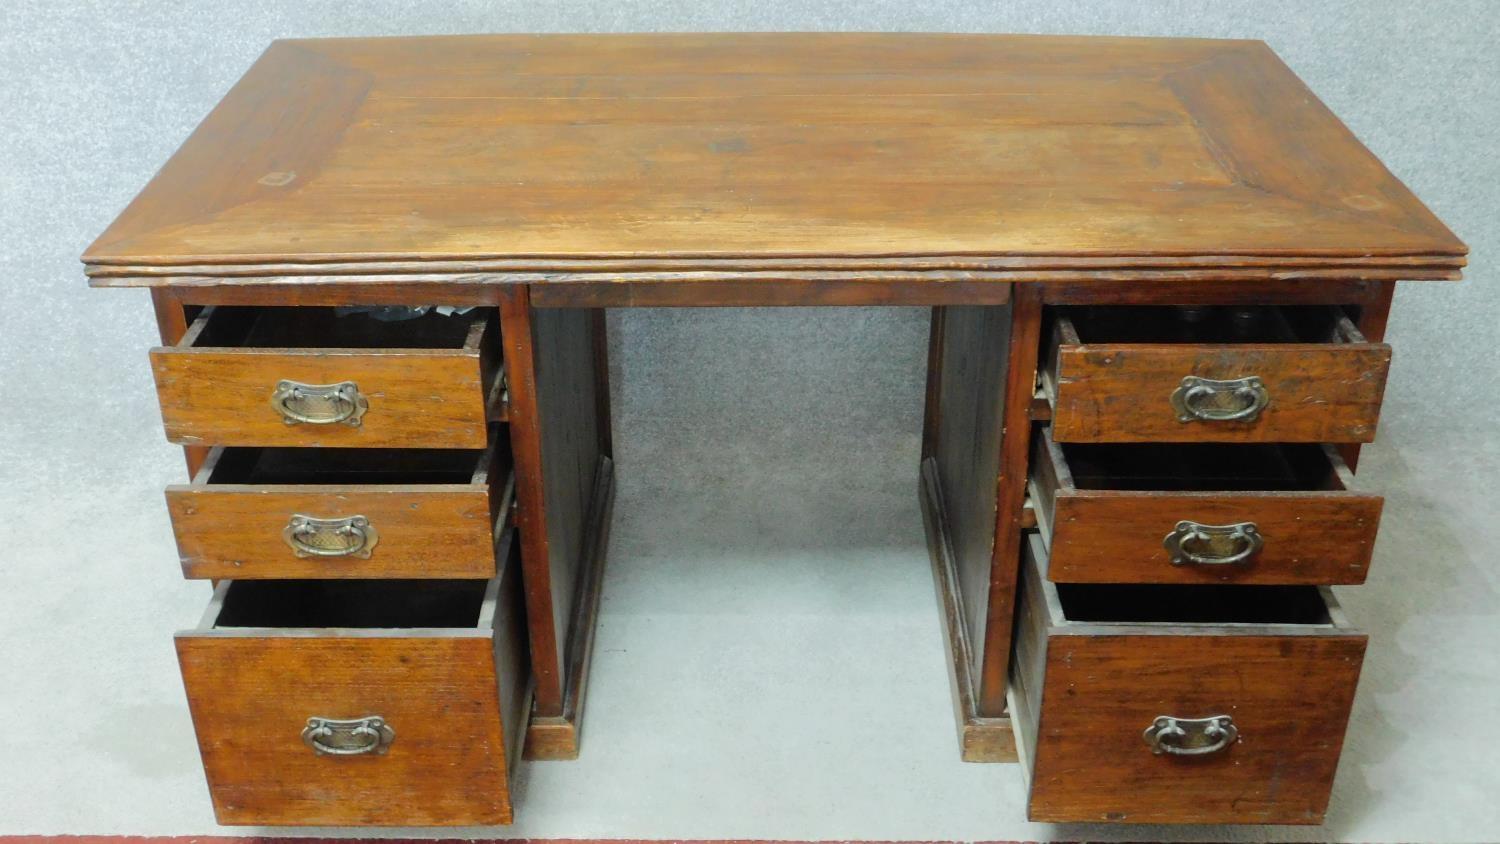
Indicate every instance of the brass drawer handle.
{"type": "Point", "coordinates": [1206, 400]}
{"type": "Point", "coordinates": [319, 404]}
{"type": "Point", "coordinates": [332, 737]}
{"type": "Point", "coordinates": [350, 536]}
{"type": "Point", "coordinates": [1190, 736]}
{"type": "Point", "coordinates": [1213, 545]}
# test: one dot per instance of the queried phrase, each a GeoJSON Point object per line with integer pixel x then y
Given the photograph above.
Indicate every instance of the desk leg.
{"type": "Point", "coordinates": [981, 369]}
{"type": "Point", "coordinates": [564, 490]}
{"type": "Point", "coordinates": [1010, 497]}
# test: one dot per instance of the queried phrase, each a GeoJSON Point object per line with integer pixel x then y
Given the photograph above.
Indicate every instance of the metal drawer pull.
{"type": "Point", "coordinates": [319, 404]}
{"type": "Point", "coordinates": [332, 737]}
{"type": "Point", "coordinates": [1206, 400]}
{"type": "Point", "coordinates": [350, 536]}
{"type": "Point", "coordinates": [1213, 545]}
{"type": "Point", "coordinates": [1190, 736]}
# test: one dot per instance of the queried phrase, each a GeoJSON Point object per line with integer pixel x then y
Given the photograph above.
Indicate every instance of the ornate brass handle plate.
{"type": "Point", "coordinates": [319, 404]}
{"type": "Point", "coordinates": [1190, 736]}
{"type": "Point", "coordinates": [357, 737]}
{"type": "Point", "coordinates": [1206, 400]}
{"type": "Point", "coordinates": [1191, 543]}
{"type": "Point", "coordinates": [350, 536]}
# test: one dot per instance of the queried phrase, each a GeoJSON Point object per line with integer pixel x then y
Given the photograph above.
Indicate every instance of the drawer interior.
{"type": "Point", "coordinates": [1187, 467]}
{"type": "Point", "coordinates": [1192, 604]}
{"type": "Point", "coordinates": [345, 466]}
{"type": "Point", "coordinates": [371, 604]}
{"type": "Point", "coordinates": [1206, 324]}
{"type": "Point", "coordinates": [333, 328]}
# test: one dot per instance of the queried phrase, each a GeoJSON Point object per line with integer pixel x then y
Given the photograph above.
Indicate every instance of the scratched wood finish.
{"type": "Point", "coordinates": [1322, 534]}
{"type": "Point", "coordinates": [1119, 392]}
{"type": "Point", "coordinates": [1289, 689]}
{"type": "Point", "coordinates": [424, 530]}
{"type": "Point", "coordinates": [418, 397]}
{"type": "Point", "coordinates": [455, 697]}
{"type": "Point", "coordinates": [886, 149]}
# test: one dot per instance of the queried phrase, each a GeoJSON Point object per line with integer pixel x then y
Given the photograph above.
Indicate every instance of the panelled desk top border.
{"type": "Point", "coordinates": [853, 159]}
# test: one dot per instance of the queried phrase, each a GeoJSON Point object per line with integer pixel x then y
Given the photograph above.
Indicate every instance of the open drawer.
{"type": "Point", "coordinates": [1258, 513]}
{"type": "Point", "coordinates": [344, 513]}
{"type": "Point", "coordinates": [360, 702]}
{"type": "Point", "coordinates": [1212, 374]}
{"type": "Point", "coordinates": [1180, 704]}
{"type": "Point", "coordinates": [310, 376]}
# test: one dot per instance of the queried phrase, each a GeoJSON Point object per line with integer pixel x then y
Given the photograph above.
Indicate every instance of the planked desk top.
{"type": "Point", "coordinates": [742, 154]}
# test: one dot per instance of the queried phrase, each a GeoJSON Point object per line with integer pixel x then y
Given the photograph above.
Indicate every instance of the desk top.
{"type": "Point", "coordinates": [738, 153]}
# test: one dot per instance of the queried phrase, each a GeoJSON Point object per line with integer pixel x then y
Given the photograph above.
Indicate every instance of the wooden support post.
{"type": "Point", "coordinates": [1010, 498]}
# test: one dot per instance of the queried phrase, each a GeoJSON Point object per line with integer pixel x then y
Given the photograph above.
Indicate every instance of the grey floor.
{"type": "Point", "coordinates": [769, 661]}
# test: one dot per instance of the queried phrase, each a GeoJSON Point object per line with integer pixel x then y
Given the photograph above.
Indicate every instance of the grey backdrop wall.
{"type": "Point", "coordinates": [94, 96]}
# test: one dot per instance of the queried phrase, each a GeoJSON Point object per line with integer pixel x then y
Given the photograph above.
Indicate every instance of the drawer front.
{"type": "Point", "coordinates": [248, 532]}
{"type": "Point", "coordinates": [1298, 537]}
{"type": "Point", "coordinates": [1288, 698]}
{"type": "Point", "coordinates": [252, 697]}
{"type": "Point", "coordinates": [1180, 704]}
{"type": "Point", "coordinates": [1322, 534]}
{"type": "Point", "coordinates": [407, 398]}
{"type": "Point", "coordinates": [283, 714]}
{"type": "Point", "coordinates": [1137, 392]}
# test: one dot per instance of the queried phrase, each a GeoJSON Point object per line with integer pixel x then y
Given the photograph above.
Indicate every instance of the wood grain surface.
{"type": "Point", "coordinates": [1312, 536]}
{"type": "Point", "coordinates": [1120, 392]}
{"type": "Point", "coordinates": [1010, 498]}
{"type": "Point", "coordinates": [1288, 689]}
{"type": "Point", "coordinates": [251, 694]}
{"type": "Point", "coordinates": [418, 397]}
{"type": "Point", "coordinates": [424, 530]}
{"type": "Point", "coordinates": [886, 149]}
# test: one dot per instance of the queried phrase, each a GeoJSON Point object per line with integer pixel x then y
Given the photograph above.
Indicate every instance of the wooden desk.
{"type": "Point", "coordinates": [1125, 243]}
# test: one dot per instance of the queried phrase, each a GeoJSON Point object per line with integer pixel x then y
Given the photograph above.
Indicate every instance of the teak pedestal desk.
{"type": "Point", "coordinates": [1159, 273]}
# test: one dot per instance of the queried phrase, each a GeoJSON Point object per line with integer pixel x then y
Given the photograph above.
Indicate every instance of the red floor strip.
{"type": "Point", "coordinates": [259, 839]}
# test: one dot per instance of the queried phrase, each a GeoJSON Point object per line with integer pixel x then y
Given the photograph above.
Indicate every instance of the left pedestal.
{"type": "Point", "coordinates": [364, 660]}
